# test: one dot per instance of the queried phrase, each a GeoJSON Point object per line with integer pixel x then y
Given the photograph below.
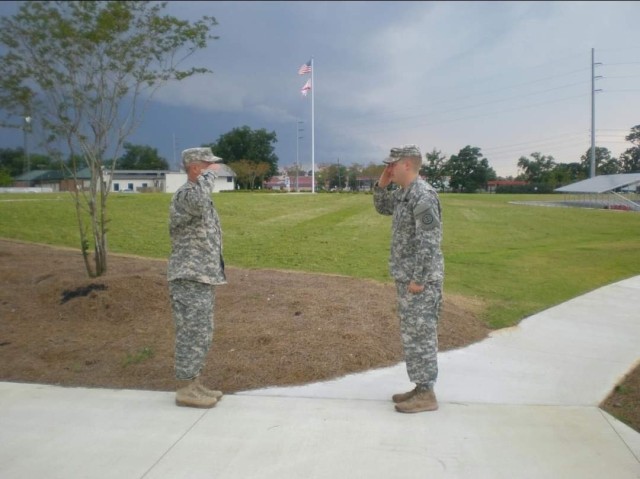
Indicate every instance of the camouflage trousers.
{"type": "Point", "coordinates": [192, 304]}
{"type": "Point", "coordinates": [419, 314]}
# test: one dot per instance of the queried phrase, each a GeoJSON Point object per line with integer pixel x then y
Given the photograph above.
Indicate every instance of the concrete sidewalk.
{"type": "Point", "coordinates": [520, 404]}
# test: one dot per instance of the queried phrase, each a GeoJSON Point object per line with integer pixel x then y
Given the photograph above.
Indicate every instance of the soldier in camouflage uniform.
{"type": "Point", "coordinates": [195, 268]}
{"type": "Point", "coordinates": [417, 266]}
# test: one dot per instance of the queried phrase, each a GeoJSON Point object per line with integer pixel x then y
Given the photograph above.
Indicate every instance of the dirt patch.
{"type": "Point", "coordinates": [272, 328]}
{"type": "Point", "coordinates": [624, 401]}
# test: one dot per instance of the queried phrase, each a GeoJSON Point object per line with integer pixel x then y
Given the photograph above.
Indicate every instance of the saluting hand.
{"type": "Point", "coordinates": [385, 177]}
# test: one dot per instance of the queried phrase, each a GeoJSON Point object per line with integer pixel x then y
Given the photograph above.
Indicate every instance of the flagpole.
{"type": "Point", "coordinates": [313, 130]}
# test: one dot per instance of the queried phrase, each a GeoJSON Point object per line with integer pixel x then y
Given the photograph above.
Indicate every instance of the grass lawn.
{"type": "Point", "coordinates": [518, 259]}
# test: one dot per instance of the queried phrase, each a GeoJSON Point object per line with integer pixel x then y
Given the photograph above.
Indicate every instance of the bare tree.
{"type": "Point", "coordinates": [85, 71]}
{"type": "Point", "coordinates": [247, 172]}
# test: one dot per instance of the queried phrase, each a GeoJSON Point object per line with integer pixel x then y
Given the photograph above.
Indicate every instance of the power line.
{"type": "Point", "coordinates": [541, 66]}
{"type": "Point", "coordinates": [621, 76]}
{"type": "Point", "coordinates": [385, 117]}
{"type": "Point", "coordinates": [490, 92]}
{"type": "Point", "coordinates": [502, 100]}
{"type": "Point", "coordinates": [478, 105]}
{"type": "Point", "coordinates": [498, 100]}
{"type": "Point", "coordinates": [541, 140]}
{"type": "Point", "coordinates": [550, 146]}
{"type": "Point", "coordinates": [510, 156]}
{"type": "Point", "coordinates": [613, 129]}
{"type": "Point", "coordinates": [618, 49]}
{"type": "Point", "coordinates": [560, 142]}
{"type": "Point", "coordinates": [508, 110]}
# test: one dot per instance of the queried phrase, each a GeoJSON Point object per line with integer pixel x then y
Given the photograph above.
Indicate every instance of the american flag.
{"type": "Point", "coordinates": [306, 88]}
{"type": "Point", "coordinates": [306, 68]}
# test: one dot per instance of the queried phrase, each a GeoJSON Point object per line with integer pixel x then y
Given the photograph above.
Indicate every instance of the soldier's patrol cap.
{"type": "Point", "coordinates": [404, 151]}
{"type": "Point", "coordinates": [198, 154]}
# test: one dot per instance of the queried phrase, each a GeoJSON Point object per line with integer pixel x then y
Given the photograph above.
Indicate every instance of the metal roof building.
{"type": "Point", "coordinates": [620, 192]}
{"type": "Point", "coordinates": [602, 184]}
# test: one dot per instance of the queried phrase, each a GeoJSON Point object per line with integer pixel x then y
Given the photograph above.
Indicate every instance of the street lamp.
{"type": "Point", "coordinates": [25, 129]}
{"type": "Point", "coordinates": [298, 137]}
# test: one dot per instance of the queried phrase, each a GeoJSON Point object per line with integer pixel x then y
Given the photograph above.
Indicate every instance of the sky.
{"type": "Point", "coordinates": [510, 78]}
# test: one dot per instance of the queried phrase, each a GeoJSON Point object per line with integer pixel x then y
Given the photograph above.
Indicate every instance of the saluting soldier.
{"type": "Point", "coordinates": [417, 265]}
{"type": "Point", "coordinates": [195, 268]}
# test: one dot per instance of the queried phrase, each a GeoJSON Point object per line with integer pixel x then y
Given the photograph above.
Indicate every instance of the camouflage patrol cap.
{"type": "Point", "coordinates": [198, 154]}
{"type": "Point", "coordinates": [403, 151]}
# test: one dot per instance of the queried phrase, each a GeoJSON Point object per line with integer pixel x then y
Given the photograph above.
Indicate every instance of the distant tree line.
{"type": "Point", "coordinates": [250, 153]}
{"type": "Point", "coordinates": [544, 169]}
{"type": "Point", "coordinates": [468, 171]}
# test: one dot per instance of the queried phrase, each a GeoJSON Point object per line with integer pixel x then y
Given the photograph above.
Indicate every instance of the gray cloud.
{"type": "Point", "coordinates": [509, 77]}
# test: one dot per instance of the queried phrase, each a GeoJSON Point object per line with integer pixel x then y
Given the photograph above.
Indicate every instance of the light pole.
{"type": "Point", "coordinates": [592, 169]}
{"type": "Point", "coordinates": [25, 129]}
{"type": "Point", "coordinates": [298, 138]}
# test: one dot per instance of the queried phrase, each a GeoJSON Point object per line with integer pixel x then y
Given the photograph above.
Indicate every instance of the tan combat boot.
{"type": "Point", "coordinates": [190, 396]}
{"type": "Point", "coordinates": [208, 392]}
{"type": "Point", "coordinates": [422, 400]}
{"type": "Point", "coordinates": [402, 397]}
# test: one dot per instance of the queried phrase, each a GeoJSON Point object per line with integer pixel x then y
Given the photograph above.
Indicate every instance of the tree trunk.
{"type": "Point", "coordinates": [84, 243]}
{"type": "Point", "coordinates": [96, 204]}
{"type": "Point", "coordinates": [99, 220]}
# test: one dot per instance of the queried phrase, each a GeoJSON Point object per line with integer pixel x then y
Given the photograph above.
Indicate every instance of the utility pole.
{"type": "Point", "coordinates": [298, 137]}
{"type": "Point", "coordinates": [174, 152]}
{"type": "Point", "coordinates": [26, 128]}
{"type": "Point", "coordinates": [297, 174]}
{"type": "Point", "coordinates": [313, 128]}
{"type": "Point", "coordinates": [592, 172]}
{"type": "Point", "coordinates": [177, 158]}
{"type": "Point", "coordinates": [339, 179]}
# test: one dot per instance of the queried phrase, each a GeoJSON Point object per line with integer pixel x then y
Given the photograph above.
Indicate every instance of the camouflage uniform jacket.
{"type": "Point", "coordinates": [416, 231]}
{"type": "Point", "coordinates": [196, 235]}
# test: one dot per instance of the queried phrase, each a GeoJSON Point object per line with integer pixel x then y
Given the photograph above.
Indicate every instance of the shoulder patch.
{"type": "Point", "coordinates": [428, 218]}
{"type": "Point", "coordinates": [421, 208]}
{"type": "Point", "coordinates": [426, 215]}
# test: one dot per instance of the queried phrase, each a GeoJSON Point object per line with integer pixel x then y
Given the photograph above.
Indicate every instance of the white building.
{"type": "Point", "coordinates": [225, 180]}
{"type": "Point", "coordinates": [136, 180]}
{"type": "Point", "coordinates": [165, 181]}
